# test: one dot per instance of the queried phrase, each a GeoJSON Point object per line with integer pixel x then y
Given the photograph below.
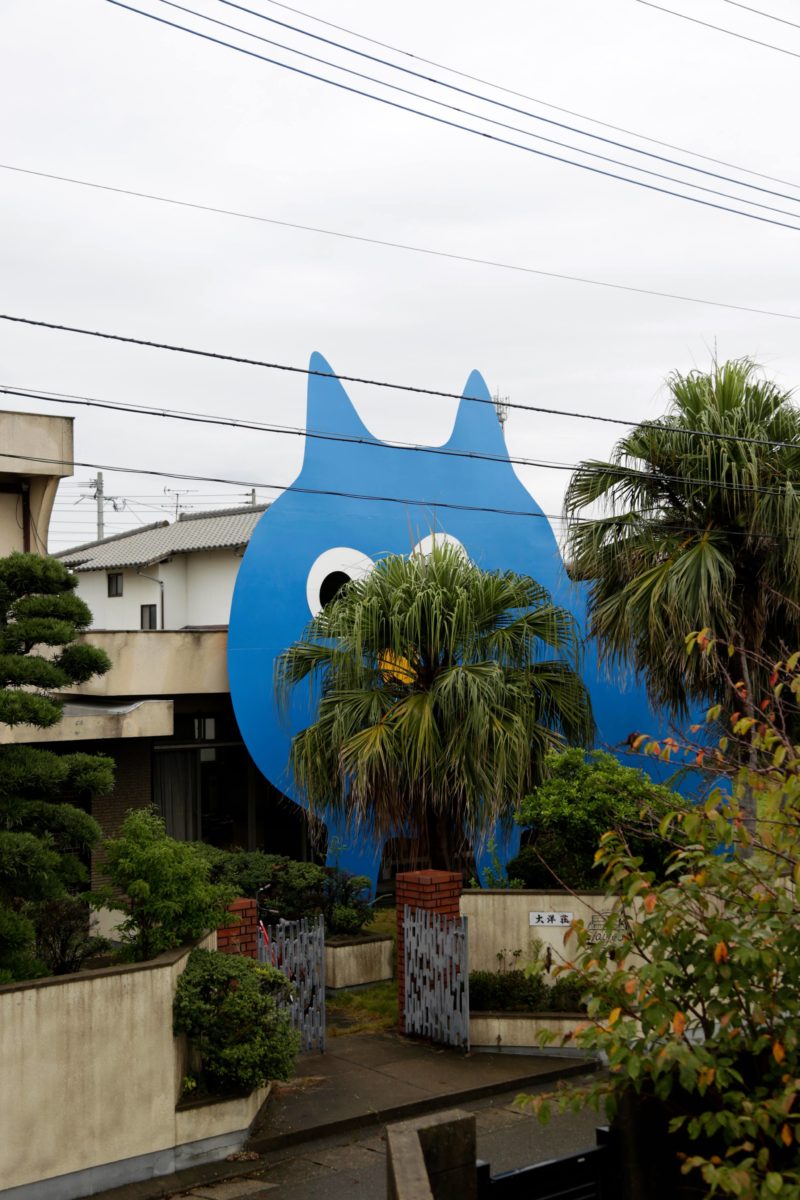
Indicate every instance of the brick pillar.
{"type": "Point", "coordinates": [435, 891]}
{"type": "Point", "coordinates": [240, 936]}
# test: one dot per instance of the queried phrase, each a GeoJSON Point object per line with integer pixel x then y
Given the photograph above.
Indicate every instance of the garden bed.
{"type": "Point", "coordinates": [355, 960]}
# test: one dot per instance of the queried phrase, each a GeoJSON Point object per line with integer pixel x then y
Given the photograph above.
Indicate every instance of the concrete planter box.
{"type": "Point", "coordinates": [517, 1033]}
{"type": "Point", "coordinates": [226, 1121]}
{"type": "Point", "coordinates": [354, 961]}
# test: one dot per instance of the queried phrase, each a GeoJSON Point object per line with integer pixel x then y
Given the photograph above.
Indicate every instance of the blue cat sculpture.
{"type": "Point", "coordinates": [306, 543]}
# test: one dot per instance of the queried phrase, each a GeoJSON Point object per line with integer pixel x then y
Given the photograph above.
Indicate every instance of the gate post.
{"type": "Point", "coordinates": [433, 891]}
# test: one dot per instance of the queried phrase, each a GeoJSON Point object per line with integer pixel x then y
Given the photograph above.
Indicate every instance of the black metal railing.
{"type": "Point", "coordinates": [585, 1176]}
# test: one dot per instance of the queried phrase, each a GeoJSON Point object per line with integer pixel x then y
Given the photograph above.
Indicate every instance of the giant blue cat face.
{"type": "Point", "coordinates": [304, 541]}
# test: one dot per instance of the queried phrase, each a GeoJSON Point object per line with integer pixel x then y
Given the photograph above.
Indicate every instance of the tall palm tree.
{"type": "Point", "coordinates": [695, 532]}
{"type": "Point", "coordinates": [441, 687]}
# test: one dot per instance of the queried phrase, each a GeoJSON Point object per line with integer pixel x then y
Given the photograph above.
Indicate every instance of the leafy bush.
{"type": "Point", "coordinates": [168, 897]}
{"type": "Point", "coordinates": [506, 991]}
{"type": "Point", "coordinates": [345, 901]}
{"type": "Point", "coordinates": [233, 1013]}
{"type": "Point", "coordinates": [583, 797]}
{"type": "Point", "coordinates": [64, 936]}
{"type": "Point", "coordinates": [294, 889]}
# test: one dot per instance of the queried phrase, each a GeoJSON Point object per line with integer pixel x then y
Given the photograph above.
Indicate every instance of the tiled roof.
{"type": "Point", "coordinates": [216, 530]}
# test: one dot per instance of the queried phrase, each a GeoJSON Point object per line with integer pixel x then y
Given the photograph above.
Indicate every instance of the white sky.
{"type": "Point", "coordinates": [92, 91]}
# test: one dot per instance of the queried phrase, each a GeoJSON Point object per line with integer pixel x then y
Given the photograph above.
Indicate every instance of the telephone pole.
{"type": "Point", "coordinates": [99, 497]}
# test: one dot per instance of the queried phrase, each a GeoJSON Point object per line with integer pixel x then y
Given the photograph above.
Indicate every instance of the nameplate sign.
{"type": "Point", "coordinates": [550, 919]}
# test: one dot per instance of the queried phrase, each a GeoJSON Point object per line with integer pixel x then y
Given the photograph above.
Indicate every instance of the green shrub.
{"type": "Point", "coordinates": [345, 901]}
{"type": "Point", "coordinates": [582, 798]}
{"type": "Point", "coordinates": [506, 991]}
{"type": "Point", "coordinates": [168, 897]}
{"type": "Point", "coordinates": [233, 1013]}
{"type": "Point", "coordinates": [64, 934]}
{"type": "Point", "coordinates": [523, 991]}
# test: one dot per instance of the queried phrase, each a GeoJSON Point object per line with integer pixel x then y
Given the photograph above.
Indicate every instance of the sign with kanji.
{"type": "Point", "coordinates": [550, 919]}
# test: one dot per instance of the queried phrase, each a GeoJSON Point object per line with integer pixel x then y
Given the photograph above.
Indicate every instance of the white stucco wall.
{"type": "Point", "coordinates": [198, 589]}
{"type": "Point", "coordinates": [89, 1069]}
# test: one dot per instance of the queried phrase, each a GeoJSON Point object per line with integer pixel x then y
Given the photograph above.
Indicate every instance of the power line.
{"type": "Point", "coordinates": [391, 245]}
{"type": "Point", "coordinates": [490, 120]}
{"type": "Point", "coordinates": [652, 187]}
{"type": "Point", "coordinates": [719, 28]}
{"type": "Point", "coordinates": [354, 439]}
{"type": "Point", "coordinates": [473, 95]}
{"type": "Point", "coordinates": [524, 96]}
{"type": "Point", "coordinates": [397, 387]}
{"type": "Point", "coordinates": [760, 12]}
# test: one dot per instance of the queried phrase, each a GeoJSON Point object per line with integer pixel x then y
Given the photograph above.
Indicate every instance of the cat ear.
{"type": "Point", "coordinates": [476, 426]}
{"type": "Point", "coordinates": [330, 409]}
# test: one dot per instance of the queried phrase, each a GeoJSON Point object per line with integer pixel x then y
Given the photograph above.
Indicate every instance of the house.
{"type": "Point", "coordinates": [160, 597]}
{"type": "Point", "coordinates": [35, 454]}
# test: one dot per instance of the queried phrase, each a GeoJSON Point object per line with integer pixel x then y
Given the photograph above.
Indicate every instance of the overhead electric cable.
{"type": "Point", "coordinates": [641, 183]}
{"type": "Point", "coordinates": [524, 96]}
{"type": "Point", "coordinates": [760, 12]}
{"type": "Point", "coordinates": [719, 28]}
{"type": "Point", "coordinates": [382, 383]}
{"type": "Point", "coordinates": [466, 112]}
{"type": "Point", "coordinates": [467, 92]}
{"type": "Point", "coordinates": [391, 245]}
{"type": "Point", "coordinates": [356, 439]}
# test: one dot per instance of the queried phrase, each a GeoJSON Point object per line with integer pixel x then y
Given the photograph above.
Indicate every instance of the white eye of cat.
{"type": "Point", "coordinates": [426, 544]}
{"type": "Point", "coordinates": [331, 571]}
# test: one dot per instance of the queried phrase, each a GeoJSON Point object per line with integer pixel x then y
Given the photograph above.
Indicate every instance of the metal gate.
{"type": "Point", "coordinates": [297, 948]}
{"type": "Point", "coordinates": [436, 977]}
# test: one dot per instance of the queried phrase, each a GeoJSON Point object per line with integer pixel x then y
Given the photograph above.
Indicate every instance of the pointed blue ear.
{"type": "Point", "coordinates": [330, 409]}
{"type": "Point", "coordinates": [476, 425]}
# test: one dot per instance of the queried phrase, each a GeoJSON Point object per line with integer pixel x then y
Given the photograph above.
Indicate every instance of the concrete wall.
{"type": "Point", "coordinates": [518, 1032]}
{"type": "Point", "coordinates": [25, 518]}
{"type": "Point", "coordinates": [353, 961]}
{"type": "Point", "coordinates": [90, 1074]}
{"type": "Point", "coordinates": [500, 921]}
{"type": "Point", "coordinates": [86, 723]}
{"type": "Point", "coordinates": [198, 588]}
{"type": "Point", "coordinates": [168, 663]}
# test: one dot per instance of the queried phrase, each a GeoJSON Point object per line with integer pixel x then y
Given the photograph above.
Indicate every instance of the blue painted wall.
{"type": "Point", "coordinates": [284, 564]}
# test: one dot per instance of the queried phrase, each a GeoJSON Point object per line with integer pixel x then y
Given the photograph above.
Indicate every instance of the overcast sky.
{"type": "Point", "coordinates": [95, 92]}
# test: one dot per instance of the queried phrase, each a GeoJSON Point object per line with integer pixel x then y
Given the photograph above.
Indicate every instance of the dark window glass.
{"type": "Point", "coordinates": [149, 616]}
{"type": "Point", "coordinates": [115, 584]}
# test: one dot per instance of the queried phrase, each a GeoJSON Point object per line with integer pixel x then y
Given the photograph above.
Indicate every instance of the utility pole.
{"type": "Point", "coordinates": [98, 495]}
{"type": "Point", "coordinates": [253, 497]}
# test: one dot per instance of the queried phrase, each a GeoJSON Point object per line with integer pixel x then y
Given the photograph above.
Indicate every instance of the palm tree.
{"type": "Point", "coordinates": [441, 689]}
{"type": "Point", "coordinates": [695, 532]}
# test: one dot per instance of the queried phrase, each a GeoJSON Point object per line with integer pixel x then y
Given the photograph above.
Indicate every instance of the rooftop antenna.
{"type": "Point", "coordinates": [177, 495]}
{"type": "Point", "coordinates": [501, 407]}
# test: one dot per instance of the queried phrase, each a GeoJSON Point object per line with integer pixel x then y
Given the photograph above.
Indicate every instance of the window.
{"type": "Point", "coordinates": [114, 583]}
{"type": "Point", "coordinates": [149, 616]}
{"type": "Point", "coordinates": [205, 729]}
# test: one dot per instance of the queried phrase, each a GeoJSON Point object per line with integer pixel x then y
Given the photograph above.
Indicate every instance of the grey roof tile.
{"type": "Point", "coordinates": [217, 530]}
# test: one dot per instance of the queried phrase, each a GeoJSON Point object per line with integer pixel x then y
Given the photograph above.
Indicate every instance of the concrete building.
{"type": "Point", "coordinates": [160, 597]}
{"type": "Point", "coordinates": [35, 454]}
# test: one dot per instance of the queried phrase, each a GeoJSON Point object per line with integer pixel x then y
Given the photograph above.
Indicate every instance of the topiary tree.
{"type": "Point", "coordinates": [45, 835]}
{"type": "Point", "coordinates": [582, 797]}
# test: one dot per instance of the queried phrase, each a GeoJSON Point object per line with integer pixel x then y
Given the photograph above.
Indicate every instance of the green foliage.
{"type": "Point", "coordinates": [233, 1012]}
{"type": "Point", "coordinates": [522, 991]}
{"type": "Point", "coordinates": [696, 532]}
{"type": "Point", "coordinates": [45, 834]}
{"type": "Point", "coordinates": [441, 688]}
{"type": "Point", "coordinates": [294, 889]}
{"type": "Point", "coordinates": [583, 797]}
{"type": "Point", "coordinates": [696, 1005]}
{"type": "Point", "coordinates": [168, 897]}
{"type": "Point", "coordinates": [496, 875]}
{"type": "Point", "coordinates": [64, 937]}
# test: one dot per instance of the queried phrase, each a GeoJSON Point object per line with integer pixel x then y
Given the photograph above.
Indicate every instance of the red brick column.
{"type": "Point", "coordinates": [435, 891]}
{"type": "Point", "coordinates": [239, 937]}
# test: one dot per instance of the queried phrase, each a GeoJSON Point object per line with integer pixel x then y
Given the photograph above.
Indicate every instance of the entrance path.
{"type": "Point", "coordinates": [368, 1080]}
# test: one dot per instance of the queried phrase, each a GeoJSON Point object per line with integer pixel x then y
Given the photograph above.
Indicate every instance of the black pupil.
{"type": "Point", "coordinates": [331, 586]}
